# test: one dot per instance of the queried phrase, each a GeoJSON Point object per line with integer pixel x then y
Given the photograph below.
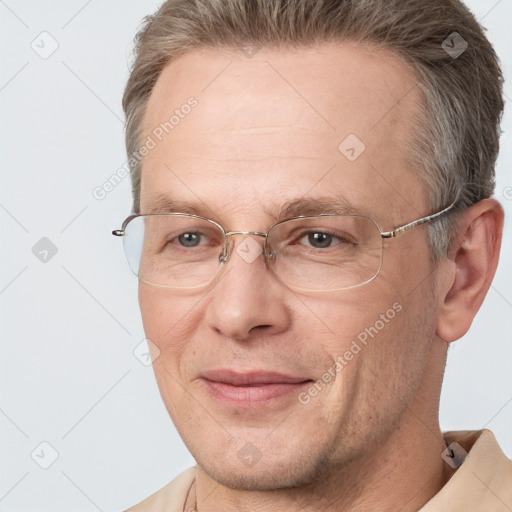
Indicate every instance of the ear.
{"type": "Point", "coordinates": [469, 267]}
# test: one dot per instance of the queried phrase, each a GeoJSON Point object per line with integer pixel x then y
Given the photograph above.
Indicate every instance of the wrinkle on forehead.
{"type": "Point", "coordinates": [269, 127]}
{"type": "Point", "coordinates": [300, 87]}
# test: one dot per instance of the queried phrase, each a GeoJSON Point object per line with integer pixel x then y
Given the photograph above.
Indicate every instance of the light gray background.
{"type": "Point", "coordinates": [68, 374]}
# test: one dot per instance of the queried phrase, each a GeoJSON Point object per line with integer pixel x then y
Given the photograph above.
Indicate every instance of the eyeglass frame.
{"type": "Point", "coordinates": [225, 255]}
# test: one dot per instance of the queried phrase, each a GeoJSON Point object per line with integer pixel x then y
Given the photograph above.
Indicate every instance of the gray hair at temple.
{"type": "Point", "coordinates": [456, 139]}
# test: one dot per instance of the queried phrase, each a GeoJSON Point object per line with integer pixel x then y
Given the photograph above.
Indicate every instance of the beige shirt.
{"type": "Point", "coordinates": [483, 483]}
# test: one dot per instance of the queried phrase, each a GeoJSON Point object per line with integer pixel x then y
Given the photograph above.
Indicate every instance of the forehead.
{"type": "Point", "coordinates": [282, 124]}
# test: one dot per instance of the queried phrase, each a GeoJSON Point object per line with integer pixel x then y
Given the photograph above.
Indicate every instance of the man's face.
{"type": "Point", "coordinates": [266, 131]}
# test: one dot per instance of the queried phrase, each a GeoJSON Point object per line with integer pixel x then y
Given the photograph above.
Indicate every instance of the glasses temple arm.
{"type": "Point", "coordinates": [415, 223]}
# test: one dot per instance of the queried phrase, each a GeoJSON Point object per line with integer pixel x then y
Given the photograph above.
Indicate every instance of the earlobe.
{"type": "Point", "coordinates": [469, 268]}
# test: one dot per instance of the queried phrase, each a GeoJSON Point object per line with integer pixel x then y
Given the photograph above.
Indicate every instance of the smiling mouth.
{"type": "Point", "coordinates": [252, 388]}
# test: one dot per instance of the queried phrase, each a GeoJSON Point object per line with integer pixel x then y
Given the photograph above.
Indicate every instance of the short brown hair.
{"type": "Point", "coordinates": [457, 138]}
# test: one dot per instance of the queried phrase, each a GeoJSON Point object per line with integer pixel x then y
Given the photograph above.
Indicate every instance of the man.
{"type": "Point", "coordinates": [313, 227]}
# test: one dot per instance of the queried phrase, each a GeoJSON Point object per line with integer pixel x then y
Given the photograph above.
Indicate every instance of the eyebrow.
{"type": "Point", "coordinates": [291, 208]}
{"type": "Point", "coordinates": [314, 206]}
{"type": "Point", "coordinates": [164, 204]}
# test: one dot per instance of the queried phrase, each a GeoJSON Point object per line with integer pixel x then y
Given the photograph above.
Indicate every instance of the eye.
{"type": "Point", "coordinates": [322, 239]}
{"type": "Point", "coordinates": [319, 240]}
{"type": "Point", "coordinates": [190, 239]}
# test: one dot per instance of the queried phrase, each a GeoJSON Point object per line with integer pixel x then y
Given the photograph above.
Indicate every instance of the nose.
{"type": "Point", "coordinates": [247, 298]}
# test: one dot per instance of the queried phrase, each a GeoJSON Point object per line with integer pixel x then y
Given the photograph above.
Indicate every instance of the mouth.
{"type": "Point", "coordinates": [251, 388]}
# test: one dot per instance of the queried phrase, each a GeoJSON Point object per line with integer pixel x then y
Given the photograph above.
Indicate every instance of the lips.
{"type": "Point", "coordinates": [251, 388]}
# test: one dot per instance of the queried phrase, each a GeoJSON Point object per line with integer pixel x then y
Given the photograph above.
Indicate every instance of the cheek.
{"type": "Point", "coordinates": [357, 314]}
{"type": "Point", "coordinates": [351, 333]}
{"type": "Point", "coordinates": [154, 311]}
{"type": "Point", "coordinates": [169, 321]}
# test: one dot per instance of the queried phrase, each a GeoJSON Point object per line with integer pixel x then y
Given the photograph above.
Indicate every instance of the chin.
{"type": "Point", "coordinates": [299, 470]}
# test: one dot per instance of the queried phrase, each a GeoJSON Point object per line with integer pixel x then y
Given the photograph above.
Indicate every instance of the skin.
{"type": "Point", "coordinates": [265, 131]}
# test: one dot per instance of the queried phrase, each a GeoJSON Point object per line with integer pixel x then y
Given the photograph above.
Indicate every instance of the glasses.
{"type": "Point", "coordinates": [327, 252]}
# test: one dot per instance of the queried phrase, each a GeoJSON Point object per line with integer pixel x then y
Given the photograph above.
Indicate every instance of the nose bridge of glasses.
{"type": "Point", "coordinates": [254, 233]}
{"type": "Point", "coordinates": [228, 247]}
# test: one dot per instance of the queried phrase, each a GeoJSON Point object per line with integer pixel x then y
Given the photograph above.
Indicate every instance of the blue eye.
{"type": "Point", "coordinates": [320, 240]}
{"type": "Point", "coordinates": [189, 239]}
{"type": "Point", "coordinates": [325, 240]}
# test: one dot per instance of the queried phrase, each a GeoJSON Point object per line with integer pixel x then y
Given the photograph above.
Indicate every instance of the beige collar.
{"type": "Point", "coordinates": [482, 483]}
